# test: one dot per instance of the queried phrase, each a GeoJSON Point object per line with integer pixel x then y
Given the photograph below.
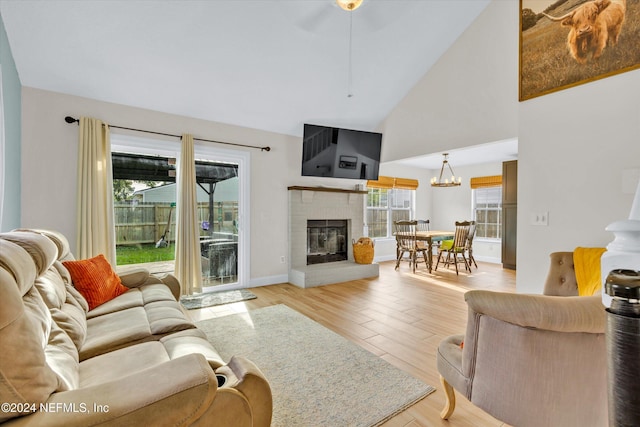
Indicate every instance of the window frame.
{"type": "Point", "coordinates": [498, 209]}
{"type": "Point", "coordinates": [388, 209]}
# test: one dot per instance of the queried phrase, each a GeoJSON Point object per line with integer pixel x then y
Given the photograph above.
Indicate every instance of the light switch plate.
{"type": "Point", "coordinates": [540, 218]}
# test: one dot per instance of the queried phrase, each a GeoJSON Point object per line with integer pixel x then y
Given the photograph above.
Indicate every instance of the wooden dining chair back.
{"type": "Point", "coordinates": [470, 236]}
{"type": "Point", "coordinates": [406, 242]}
{"type": "Point", "coordinates": [423, 225]}
{"type": "Point", "coordinates": [455, 249]}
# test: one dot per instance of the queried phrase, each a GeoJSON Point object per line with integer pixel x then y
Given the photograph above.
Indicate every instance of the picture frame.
{"type": "Point", "coordinates": [555, 52]}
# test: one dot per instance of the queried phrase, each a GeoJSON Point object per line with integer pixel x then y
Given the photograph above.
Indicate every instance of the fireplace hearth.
{"type": "Point", "coordinates": [326, 241]}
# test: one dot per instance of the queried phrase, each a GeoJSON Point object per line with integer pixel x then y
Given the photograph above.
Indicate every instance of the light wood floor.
{"type": "Point", "coordinates": [399, 316]}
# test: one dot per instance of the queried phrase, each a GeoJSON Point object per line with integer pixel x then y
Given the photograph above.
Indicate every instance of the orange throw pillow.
{"type": "Point", "coordinates": [95, 280]}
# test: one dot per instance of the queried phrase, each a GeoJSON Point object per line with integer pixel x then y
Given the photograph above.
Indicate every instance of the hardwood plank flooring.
{"type": "Point", "coordinates": [398, 316]}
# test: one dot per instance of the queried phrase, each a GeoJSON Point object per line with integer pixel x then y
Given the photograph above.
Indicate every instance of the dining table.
{"type": "Point", "coordinates": [430, 237]}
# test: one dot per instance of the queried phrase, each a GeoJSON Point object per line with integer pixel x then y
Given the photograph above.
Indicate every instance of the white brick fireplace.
{"type": "Point", "coordinates": [318, 203]}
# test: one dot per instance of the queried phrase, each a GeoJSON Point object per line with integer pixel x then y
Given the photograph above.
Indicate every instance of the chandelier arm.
{"type": "Point", "coordinates": [441, 172]}
{"type": "Point", "coordinates": [451, 169]}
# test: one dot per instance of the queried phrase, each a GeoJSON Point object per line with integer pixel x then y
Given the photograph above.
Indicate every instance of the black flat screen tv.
{"type": "Point", "coordinates": [340, 153]}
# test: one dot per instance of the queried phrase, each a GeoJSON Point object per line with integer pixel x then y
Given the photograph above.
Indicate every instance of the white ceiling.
{"type": "Point", "coordinates": [266, 64]}
{"type": "Point", "coordinates": [498, 151]}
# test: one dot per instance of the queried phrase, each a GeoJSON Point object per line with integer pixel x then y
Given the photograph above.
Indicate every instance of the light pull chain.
{"type": "Point", "coordinates": [350, 70]}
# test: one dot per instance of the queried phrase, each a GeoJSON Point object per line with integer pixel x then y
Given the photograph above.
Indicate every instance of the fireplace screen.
{"type": "Point", "coordinates": [326, 240]}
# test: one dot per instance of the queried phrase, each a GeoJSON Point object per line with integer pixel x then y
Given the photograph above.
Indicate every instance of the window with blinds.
{"type": "Point", "coordinates": [389, 199]}
{"type": "Point", "coordinates": [487, 210]}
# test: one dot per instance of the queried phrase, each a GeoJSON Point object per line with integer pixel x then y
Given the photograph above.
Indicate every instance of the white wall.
{"type": "Point", "coordinates": [469, 97]}
{"type": "Point", "coordinates": [574, 147]}
{"type": "Point", "coordinates": [10, 132]}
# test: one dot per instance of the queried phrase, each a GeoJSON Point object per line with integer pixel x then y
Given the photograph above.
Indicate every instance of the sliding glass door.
{"type": "Point", "coordinates": [145, 206]}
{"type": "Point", "coordinates": [218, 190]}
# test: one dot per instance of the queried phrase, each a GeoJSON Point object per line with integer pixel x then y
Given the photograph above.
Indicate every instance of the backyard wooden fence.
{"type": "Point", "coordinates": [146, 223]}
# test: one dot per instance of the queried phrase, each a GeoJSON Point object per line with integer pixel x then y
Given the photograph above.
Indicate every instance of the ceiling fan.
{"type": "Point", "coordinates": [327, 19]}
{"type": "Point", "coordinates": [349, 5]}
{"type": "Point", "coordinates": [328, 12]}
{"type": "Point", "coordinates": [372, 15]}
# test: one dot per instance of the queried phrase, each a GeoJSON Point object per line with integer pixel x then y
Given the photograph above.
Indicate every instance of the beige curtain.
{"type": "Point", "coordinates": [188, 262]}
{"type": "Point", "coordinates": [95, 229]}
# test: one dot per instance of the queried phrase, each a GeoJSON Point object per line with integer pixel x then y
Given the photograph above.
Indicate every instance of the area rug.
{"type": "Point", "coordinates": [210, 299]}
{"type": "Point", "coordinates": [317, 377]}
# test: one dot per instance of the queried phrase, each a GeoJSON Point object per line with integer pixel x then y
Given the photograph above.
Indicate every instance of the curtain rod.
{"type": "Point", "coordinates": [70, 120]}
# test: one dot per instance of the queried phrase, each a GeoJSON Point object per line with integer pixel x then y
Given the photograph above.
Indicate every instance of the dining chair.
{"type": "Point", "coordinates": [470, 236]}
{"type": "Point", "coordinates": [455, 249]}
{"type": "Point", "coordinates": [422, 225]}
{"type": "Point", "coordinates": [406, 242]}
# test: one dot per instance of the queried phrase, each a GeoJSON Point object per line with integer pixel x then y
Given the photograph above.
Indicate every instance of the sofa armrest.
{"type": "Point", "coordinates": [244, 376]}
{"type": "Point", "coordinates": [173, 283]}
{"type": "Point", "coordinates": [177, 392]}
{"type": "Point", "coordinates": [561, 314]}
{"type": "Point", "coordinates": [137, 277]}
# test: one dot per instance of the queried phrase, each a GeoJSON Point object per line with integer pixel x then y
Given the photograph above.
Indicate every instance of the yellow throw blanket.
{"type": "Point", "coordinates": [586, 262]}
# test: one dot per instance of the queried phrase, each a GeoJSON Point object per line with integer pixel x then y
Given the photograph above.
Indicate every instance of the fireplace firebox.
{"type": "Point", "coordinates": [326, 240]}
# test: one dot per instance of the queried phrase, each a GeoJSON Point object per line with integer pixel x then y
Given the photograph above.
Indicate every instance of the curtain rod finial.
{"type": "Point", "coordinates": [70, 119]}
{"type": "Point", "coordinates": [266, 148]}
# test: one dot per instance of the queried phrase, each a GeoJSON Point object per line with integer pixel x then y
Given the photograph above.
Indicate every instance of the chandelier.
{"type": "Point", "coordinates": [349, 5]}
{"type": "Point", "coordinates": [438, 182]}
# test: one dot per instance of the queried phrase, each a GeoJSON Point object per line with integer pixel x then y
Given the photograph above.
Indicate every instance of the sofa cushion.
{"type": "Point", "coordinates": [43, 251]}
{"type": "Point", "coordinates": [64, 252]}
{"type": "Point", "coordinates": [127, 326]}
{"type": "Point", "coordinates": [24, 333]}
{"type": "Point", "coordinates": [115, 330]}
{"type": "Point", "coordinates": [130, 299]}
{"type": "Point", "coordinates": [53, 283]}
{"type": "Point", "coordinates": [65, 310]}
{"type": "Point", "coordinates": [62, 357]}
{"type": "Point", "coordinates": [73, 296]}
{"type": "Point", "coordinates": [120, 363]}
{"type": "Point", "coordinates": [182, 343]}
{"type": "Point", "coordinates": [95, 279]}
{"type": "Point", "coordinates": [128, 360]}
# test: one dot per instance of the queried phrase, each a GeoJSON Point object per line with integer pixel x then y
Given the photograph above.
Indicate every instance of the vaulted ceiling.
{"type": "Point", "coordinates": [266, 64]}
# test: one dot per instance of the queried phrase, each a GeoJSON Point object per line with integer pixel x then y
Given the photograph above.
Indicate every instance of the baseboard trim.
{"type": "Point", "coordinates": [268, 280]}
{"type": "Point", "coordinates": [491, 260]}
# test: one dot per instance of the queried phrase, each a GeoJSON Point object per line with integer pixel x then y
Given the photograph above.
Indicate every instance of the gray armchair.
{"type": "Point", "coordinates": [531, 360]}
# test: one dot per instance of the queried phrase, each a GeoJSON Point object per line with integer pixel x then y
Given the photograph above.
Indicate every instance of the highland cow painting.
{"type": "Point", "coordinates": [565, 43]}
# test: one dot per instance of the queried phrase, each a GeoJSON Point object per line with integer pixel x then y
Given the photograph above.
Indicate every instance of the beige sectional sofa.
{"type": "Point", "coordinates": [134, 360]}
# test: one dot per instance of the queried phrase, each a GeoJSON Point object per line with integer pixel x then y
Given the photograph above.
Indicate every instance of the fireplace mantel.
{"type": "Point", "coordinates": [326, 189]}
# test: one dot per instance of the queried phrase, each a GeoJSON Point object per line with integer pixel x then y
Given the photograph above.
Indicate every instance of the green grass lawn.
{"type": "Point", "coordinates": [135, 254]}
